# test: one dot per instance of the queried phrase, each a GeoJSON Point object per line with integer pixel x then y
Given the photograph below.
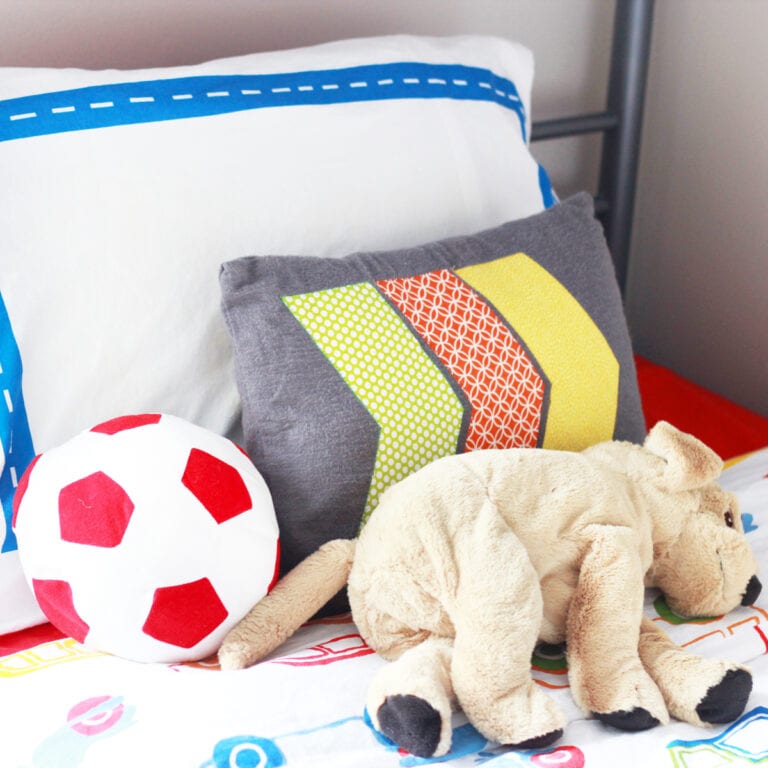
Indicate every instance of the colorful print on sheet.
{"type": "Point", "coordinates": [744, 743]}
{"type": "Point", "coordinates": [265, 752]}
{"type": "Point", "coordinates": [88, 721]}
{"type": "Point", "coordinates": [43, 656]}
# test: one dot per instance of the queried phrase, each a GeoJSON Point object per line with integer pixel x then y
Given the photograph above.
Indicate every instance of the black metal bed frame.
{"type": "Point", "coordinates": [621, 125]}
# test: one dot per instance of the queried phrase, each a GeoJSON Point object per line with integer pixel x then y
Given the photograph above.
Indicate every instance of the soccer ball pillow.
{"type": "Point", "coordinates": [146, 537]}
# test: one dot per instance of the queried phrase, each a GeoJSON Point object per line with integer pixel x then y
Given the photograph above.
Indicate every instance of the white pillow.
{"type": "Point", "coordinates": [123, 192]}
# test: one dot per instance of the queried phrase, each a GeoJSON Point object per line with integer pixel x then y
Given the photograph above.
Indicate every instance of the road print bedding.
{"type": "Point", "coordinates": [64, 706]}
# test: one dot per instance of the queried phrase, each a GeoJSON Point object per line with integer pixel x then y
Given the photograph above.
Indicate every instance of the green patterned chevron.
{"type": "Point", "coordinates": [418, 413]}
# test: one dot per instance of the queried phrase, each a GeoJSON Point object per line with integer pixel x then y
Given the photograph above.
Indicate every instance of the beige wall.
{"type": "Point", "coordinates": [698, 292]}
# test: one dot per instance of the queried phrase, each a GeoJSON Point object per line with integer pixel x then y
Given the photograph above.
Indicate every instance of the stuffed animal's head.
{"type": "Point", "coordinates": [709, 568]}
{"type": "Point", "coordinates": [702, 561]}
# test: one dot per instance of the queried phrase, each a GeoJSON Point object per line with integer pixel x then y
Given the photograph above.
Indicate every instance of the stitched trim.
{"type": "Point", "coordinates": [103, 106]}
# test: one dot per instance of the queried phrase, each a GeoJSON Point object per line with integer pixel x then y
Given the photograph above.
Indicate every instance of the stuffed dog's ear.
{"type": "Point", "coordinates": [689, 463]}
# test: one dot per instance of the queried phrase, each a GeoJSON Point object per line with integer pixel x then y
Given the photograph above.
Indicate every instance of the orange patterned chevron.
{"type": "Point", "coordinates": [494, 370]}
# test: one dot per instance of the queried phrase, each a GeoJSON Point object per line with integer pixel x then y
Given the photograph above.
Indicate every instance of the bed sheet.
{"type": "Point", "coordinates": [62, 705]}
{"type": "Point", "coordinates": [726, 427]}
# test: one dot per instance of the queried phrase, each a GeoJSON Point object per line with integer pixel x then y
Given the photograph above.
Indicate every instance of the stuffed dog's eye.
{"type": "Point", "coordinates": [729, 518]}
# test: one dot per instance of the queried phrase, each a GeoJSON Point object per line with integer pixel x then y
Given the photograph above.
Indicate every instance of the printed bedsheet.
{"type": "Point", "coordinates": [62, 705]}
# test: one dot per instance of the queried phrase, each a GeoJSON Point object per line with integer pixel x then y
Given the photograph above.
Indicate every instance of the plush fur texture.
{"type": "Point", "coordinates": [469, 563]}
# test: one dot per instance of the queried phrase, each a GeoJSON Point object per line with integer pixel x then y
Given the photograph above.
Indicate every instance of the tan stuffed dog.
{"type": "Point", "coordinates": [467, 564]}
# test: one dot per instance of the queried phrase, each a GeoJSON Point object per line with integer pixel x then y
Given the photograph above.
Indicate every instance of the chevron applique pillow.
{"type": "Point", "coordinates": [355, 372]}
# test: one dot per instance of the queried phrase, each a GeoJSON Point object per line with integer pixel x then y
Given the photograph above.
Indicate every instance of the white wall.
{"type": "Point", "coordinates": [698, 290]}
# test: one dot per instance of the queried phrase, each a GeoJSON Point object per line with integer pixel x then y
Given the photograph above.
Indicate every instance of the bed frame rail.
{"type": "Point", "coordinates": [620, 124]}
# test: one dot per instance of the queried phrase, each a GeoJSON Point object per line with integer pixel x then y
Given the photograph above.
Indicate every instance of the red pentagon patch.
{"type": "Point", "coordinates": [21, 489]}
{"type": "Point", "coordinates": [55, 599]}
{"type": "Point", "coordinates": [94, 510]}
{"type": "Point", "coordinates": [121, 423]}
{"type": "Point", "coordinates": [185, 614]}
{"type": "Point", "coordinates": [216, 485]}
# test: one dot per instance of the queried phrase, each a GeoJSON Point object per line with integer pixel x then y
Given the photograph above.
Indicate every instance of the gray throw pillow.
{"type": "Point", "coordinates": [355, 372]}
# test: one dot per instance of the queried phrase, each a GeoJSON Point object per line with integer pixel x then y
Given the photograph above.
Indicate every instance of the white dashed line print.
{"type": "Point", "coordinates": [198, 96]}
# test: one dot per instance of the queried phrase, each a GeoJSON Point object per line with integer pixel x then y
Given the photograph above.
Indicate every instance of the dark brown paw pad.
{"type": "Point", "coordinates": [539, 742]}
{"type": "Point", "coordinates": [637, 719]}
{"type": "Point", "coordinates": [412, 723]}
{"type": "Point", "coordinates": [725, 701]}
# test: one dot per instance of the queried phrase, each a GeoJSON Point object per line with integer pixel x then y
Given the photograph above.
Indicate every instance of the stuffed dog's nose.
{"type": "Point", "coordinates": [753, 591]}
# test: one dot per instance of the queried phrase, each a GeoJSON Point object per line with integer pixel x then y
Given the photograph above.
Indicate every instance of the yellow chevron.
{"type": "Point", "coordinates": [567, 344]}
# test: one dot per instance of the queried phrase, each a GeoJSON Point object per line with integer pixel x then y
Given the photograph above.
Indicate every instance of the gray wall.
{"type": "Point", "coordinates": [698, 291]}
{"type": "Point", "coordinates": [697, 298]}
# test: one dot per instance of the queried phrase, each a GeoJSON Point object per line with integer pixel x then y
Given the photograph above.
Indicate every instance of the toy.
{"type": "Point", "coordinates": [468, 563]}
{"type": "Point", "coordinates": [146, 537]}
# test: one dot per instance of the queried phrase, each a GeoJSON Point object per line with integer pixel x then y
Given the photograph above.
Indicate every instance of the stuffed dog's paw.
{"type": "Point", "coordinates": [637, 704]}
{"type": "Point", "coordinates": [630, 701]}
{"type": "Point", "coordinates": [412, 723]}
{"type": "Point", "coordinates": [699, 690]}
{"type": "Point", "coordinates": [524, 718]}
{"type": "Point", "coordinates": [409, 700]}
{"type": "Point", "coordinates": [726, 700]}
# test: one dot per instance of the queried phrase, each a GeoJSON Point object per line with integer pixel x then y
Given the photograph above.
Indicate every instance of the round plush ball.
{"type": "Point", "coordinates": [146, 537]}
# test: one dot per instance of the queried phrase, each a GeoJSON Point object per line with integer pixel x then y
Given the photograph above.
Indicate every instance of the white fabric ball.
{"type": "Point", "coordinates": [146, 537]}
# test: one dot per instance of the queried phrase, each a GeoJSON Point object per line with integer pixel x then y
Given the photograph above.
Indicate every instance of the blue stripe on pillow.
{"type": "Point", "coordinates": [14, 428]}
{"type": "Point", "coordinates": [102, 106]}
{"type": "Point", "coordinates": [548, 195]}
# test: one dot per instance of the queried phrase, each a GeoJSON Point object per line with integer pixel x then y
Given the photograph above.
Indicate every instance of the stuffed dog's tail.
{"type": "Point", "coordinates": [293, 600]}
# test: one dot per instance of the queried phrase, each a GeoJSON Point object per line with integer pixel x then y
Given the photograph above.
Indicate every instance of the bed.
{"type": "Point", "coordinates": [339, 165]}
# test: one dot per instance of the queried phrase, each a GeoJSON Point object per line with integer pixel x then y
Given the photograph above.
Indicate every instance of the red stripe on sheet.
{"type": "Point", "coordinates": [762, 637]}
{"type": "Point", "coordinates": [489, 364]}
{"type": "Point", "coordinates": [340, 648]}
